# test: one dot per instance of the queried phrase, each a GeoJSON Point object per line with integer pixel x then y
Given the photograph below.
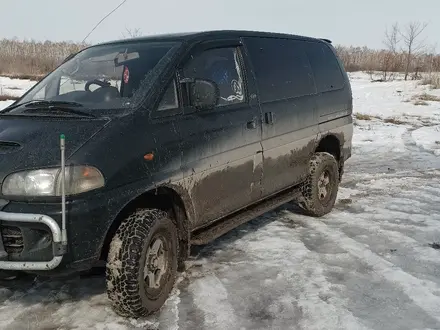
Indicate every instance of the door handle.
{"type": "Point", "coordinates": [268, 116]}
{"type": "Point", "coordinates": [251, 124]}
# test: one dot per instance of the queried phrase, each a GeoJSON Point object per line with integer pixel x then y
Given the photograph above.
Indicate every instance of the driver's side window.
{"type": "Point", "coordinates": [221, 66]}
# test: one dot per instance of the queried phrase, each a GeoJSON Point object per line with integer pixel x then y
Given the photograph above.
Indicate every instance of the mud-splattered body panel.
{"type": "Point", "coordinates": [287, 96]}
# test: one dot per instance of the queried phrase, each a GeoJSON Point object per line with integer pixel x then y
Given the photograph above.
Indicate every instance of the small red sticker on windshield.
{"type": "Point", "coordinates": [126, 75]}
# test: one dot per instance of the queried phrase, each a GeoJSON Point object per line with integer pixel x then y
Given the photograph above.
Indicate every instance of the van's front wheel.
{"type": "Point", "coordinates": [320, 190]}
{"type": "Point", "coordinates": [142, 263]}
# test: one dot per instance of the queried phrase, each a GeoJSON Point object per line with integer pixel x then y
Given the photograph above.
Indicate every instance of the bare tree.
{"type": "Point", "coordinates": [410, 38]}
{"type": "Point", "coordinates": [132, 33]}
{"type": "Point", "coordinates": [392, 38]}
{"type": "Point", "coordinates": [390, 57]}
{"type": "Point", "coordinates": [431, 54]}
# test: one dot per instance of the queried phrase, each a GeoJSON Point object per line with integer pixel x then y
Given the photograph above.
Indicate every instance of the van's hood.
{"type": "Point", "coordinates": [34, 142]}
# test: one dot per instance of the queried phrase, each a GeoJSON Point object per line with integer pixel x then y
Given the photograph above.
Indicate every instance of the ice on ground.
{"type": "Point", "coordinates": [428, 138]}
{"type": "Point", "coordinates": [376, 136]}
{"type": "Point", "coordinates": [370, 264]}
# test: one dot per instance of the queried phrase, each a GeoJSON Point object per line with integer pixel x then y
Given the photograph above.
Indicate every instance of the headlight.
{"type": "Point", "coordinates": [47, 182]}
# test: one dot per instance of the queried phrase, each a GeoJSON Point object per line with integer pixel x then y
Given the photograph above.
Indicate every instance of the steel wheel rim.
{"type": "Point", "coordinates": [324, 186]}
{"type": "Point", "coordinates": [156, 265]}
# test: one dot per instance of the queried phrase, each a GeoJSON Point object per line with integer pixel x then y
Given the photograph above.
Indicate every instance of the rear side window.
{"type": "Point", "coordinates": [281, 68]}
{"type": "Point", "coordinates": [326, 70]}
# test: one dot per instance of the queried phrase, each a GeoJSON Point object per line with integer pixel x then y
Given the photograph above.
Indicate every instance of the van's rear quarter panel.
{"type": "Point", "coordinates": [334, 104]}
{"type": "Point", "coordinates": [342, 128]}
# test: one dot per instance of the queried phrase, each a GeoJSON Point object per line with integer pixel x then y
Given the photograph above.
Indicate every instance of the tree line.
{"type": "Point", "coordinates": [405, 51]}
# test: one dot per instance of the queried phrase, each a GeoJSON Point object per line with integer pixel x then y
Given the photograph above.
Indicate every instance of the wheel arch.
{"type": "Point", "coordinates": [172, 199]}
{"type": "Point", "coordinates": [330, 143]}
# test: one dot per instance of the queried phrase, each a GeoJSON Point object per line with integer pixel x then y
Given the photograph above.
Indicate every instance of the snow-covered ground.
{"type": "Point", "coordinates": [370, 264]}
{"type": "Point", "coordinates": [4, 104]}
{"type": "Point", "coordinates": [13, 87]}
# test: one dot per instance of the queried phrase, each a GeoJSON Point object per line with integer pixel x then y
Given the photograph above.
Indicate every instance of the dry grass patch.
{"type": "Point", "coordinates": [362, 116]}
{"type": "Point", "coordinates": [429, 97]}
{"type": "Point", "coordinates": [394, 121]}
{"type": "Point", "coordinates": [422, 99]}
{"type": "Point", "coordinates": [433, 81]}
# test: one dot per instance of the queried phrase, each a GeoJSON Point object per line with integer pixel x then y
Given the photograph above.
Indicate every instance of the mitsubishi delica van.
{"type": "Point", "coordinates": [132, 151]}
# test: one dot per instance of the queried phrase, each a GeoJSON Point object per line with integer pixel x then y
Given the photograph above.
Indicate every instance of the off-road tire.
{"type": "Point", "coordinates": [126, 285]}
{"type": "Point", "coordinates": [310, 202]}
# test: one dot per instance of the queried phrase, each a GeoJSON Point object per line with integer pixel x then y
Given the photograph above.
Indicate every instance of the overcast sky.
{"type": "Point", "coordinates": [347, 22]}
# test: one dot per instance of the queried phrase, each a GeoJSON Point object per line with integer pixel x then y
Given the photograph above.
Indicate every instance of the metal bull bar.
{"type": "Point", "coordinates": [56, 236]}
{"type": "Point", "coordinates": [59, 236]}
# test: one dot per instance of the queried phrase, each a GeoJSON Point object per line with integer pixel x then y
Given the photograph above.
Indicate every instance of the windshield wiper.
{"type": "Point", "coordinates": [39, 103]}
{"type": "Point", "coordinates": [52, 109]}
{"type": "Point", "coordinates": [42, 103]}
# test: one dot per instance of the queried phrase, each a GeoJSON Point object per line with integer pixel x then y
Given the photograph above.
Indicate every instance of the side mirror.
{"type": "Point", "coordinates": [204, 94]}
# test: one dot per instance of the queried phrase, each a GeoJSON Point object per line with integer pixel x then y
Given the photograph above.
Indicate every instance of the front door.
{"type": "Point", "coordinates": [221, 147]}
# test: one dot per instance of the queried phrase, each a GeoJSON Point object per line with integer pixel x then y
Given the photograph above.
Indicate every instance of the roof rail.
{"type": "Point", "coordinates": [326, 40]}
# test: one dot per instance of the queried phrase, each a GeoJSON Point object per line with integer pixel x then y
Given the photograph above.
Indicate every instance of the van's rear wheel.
{"type": "Point", "coordinates": [142, 263]}
{"type": "Point", "coordinates": [320, 190]}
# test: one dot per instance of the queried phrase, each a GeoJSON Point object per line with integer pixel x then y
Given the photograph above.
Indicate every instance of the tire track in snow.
{"type": "Point", "coordinates": [211, 297]}
{"type": "Point", "coordinates": [323, 308]}
{"type": "Point", "coordinates": [411, 286]}
{"type": "Point", "coordinates": [283, 284]}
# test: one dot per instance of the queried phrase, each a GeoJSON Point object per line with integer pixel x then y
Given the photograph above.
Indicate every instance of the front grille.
{"type": "Point", "coordinates": [12, 239]}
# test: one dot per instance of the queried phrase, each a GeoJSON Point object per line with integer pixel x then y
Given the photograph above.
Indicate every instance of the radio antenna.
{"type": "Point", "coordinates": [63, 189]}
{"type": "Point", "coordinates": [124, 1]}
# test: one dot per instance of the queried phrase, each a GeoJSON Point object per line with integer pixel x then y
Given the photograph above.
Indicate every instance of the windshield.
{"type": "Point", "coordinates": [104, 77]}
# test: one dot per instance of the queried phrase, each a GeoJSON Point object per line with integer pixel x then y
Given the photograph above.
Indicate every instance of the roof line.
{"type": "Point", "coordinates": [192, 35]}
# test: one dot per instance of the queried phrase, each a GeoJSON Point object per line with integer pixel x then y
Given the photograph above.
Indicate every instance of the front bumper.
{"type": "Point", "coordinates": [31, 231]}
{"type": "Point", "coordinates": [59, 247]}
